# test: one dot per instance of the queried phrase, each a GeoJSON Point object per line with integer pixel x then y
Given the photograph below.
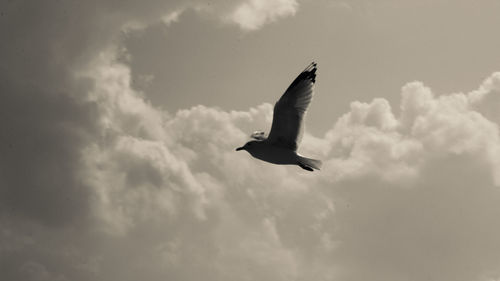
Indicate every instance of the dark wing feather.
{"type": "Point", "coordinates": [289, 111]}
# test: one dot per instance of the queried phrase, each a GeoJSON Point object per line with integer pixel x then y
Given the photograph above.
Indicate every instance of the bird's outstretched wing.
{"type": "Point", "coordinates": [289, 111]}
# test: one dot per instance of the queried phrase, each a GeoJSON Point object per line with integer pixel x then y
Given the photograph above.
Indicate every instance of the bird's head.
{"type": "Point", "coordinates": [249, 146]}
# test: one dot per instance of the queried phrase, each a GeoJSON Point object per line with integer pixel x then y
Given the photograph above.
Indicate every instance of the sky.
{"type": "Point", "coordinates": [120, 119]}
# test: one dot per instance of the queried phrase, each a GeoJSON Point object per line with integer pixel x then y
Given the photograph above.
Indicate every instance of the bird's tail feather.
{"type": "Point", "coordinates": [309, 164]}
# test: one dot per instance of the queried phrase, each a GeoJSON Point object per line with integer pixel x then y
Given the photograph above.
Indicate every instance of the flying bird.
{"type": "Point", "coordinates": [280, 147]}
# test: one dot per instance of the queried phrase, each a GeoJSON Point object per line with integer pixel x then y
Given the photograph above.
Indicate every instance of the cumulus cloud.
{"type": "Point", "coordinates": [39, 83]}
{"type": "Point", "coordinates": [82, 154]}
{"type": "Point", "coordinates": [418, 191]}
{"type": "Point", "coordinates": [249, 15]}
{"type": "Point", "coordinates": [172, 17]}
{"type": "Point", "coordinates": [253, 14]}
{"type": "Point", "coordinates": [97, 183]}
{"type": "Point", "coordinates": [399, 197]}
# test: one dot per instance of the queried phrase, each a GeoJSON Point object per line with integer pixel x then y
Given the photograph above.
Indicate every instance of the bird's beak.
{"type": "Point", "coordinates": [240, 148]}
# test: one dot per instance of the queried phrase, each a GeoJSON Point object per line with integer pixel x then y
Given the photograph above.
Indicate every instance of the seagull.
{"type": "Point", "coordinates": [280, 147]}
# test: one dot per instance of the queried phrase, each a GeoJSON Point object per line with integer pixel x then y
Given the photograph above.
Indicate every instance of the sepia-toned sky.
{"type": "Point", "coordinates": [120, 119]}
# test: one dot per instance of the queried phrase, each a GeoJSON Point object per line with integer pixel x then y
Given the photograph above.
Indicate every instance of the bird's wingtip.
{"type": "Point", "coordinates": [310, 71]}
{"type": "Point", "coordinates": [312, 66]}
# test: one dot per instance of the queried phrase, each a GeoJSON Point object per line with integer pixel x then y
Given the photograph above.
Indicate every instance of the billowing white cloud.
{"type": "Point", "coordinates": [172, 17]}
{"type": "Point", "coordinates": [253, 14]}
{"type": "Point", "coordinates": [172, 173]}
{"type": "Point", "coordinates": [399, 196]}
{"type": "Point", "coordinates": [404, 196]}
{"type": "Point", "coordinates": [249, 15]}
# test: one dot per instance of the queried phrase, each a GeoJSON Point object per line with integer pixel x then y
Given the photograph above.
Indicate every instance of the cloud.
{"type": "Point", "coordinates": [150, 170]}
{"type": "Point", "coordinates": [416, 192]}
{"type": "Point", "coordinates": [97, 183]}
{"type": "Point", "coordinates": [85, 160]}
{"type": "Point", "coordinates": [407, 196]}
{"type": "Point", "coordinates": [172, 17]}
{"type": "Point", "coordinates": [249, 15]}
{"type": "Point", "coordinates": [253, 14]}
{"type": "Point", "coordinates": [42, 95]}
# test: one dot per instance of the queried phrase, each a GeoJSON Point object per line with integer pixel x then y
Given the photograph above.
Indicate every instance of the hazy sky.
{"type": "Point", "coordinates": [120, 118]}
